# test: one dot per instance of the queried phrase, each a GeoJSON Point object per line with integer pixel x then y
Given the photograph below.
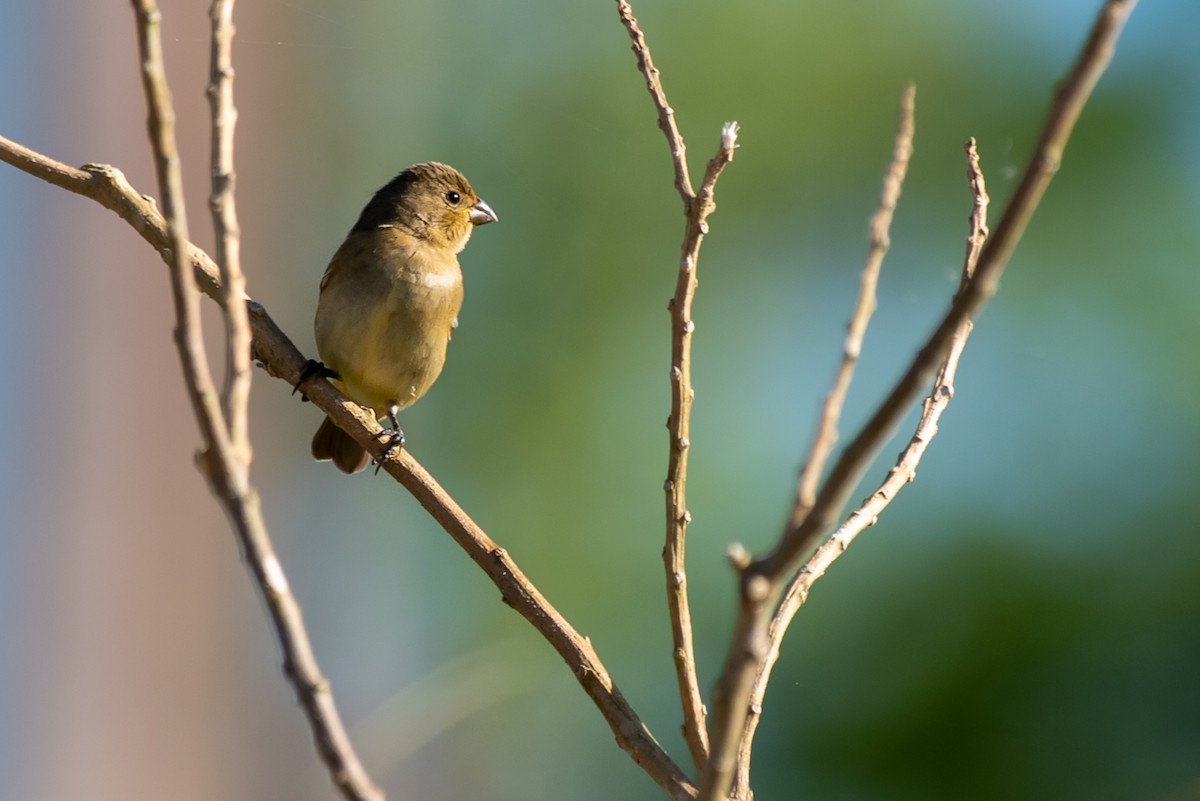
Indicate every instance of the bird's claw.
{"type": "Point", "coordinates": [312, 369]}
{"type": "Point", "coordinates": [395, 443]}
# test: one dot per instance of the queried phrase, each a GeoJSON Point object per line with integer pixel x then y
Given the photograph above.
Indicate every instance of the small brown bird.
{"type": "Point", "coordinates": [390, 299]}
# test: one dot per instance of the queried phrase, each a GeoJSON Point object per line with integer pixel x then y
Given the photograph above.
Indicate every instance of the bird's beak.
{"type": "Point", "coordinates": [481, 213]}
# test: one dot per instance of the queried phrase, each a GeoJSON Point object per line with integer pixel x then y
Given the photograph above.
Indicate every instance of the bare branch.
{"type": "Point", "coordinates": [977, 220]}
{"type": "Point", "coordinates": [236, 394]}
{"type": "Point", "coordinates": [761, 579]}
{"type": "Point", "coordinates": [899, 476]}
{"type": "Point", "coordinates": [678, 431]}
{"type": "Point", "coordinates": [161, 125]}
{"type": "Point", "coordinates": [827, 427]}
{"type": "Point", "coordinates": [108, 186]}
{"type": "Point", "coordinates": [1040, 170]}
{"type": "Point", "coordinates": [666, 114]}
{"type": "Point", "coordinates": [696, 208]}
{"type": "Point", "coordinates": [224, 465]}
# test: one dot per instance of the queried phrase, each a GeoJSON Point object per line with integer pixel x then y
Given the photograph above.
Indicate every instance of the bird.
{"type": "Point", "coordinates": [389, 301]}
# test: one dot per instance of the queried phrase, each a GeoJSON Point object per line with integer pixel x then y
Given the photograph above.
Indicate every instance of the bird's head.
{"type": "Point", "coordinates": [433, 201]}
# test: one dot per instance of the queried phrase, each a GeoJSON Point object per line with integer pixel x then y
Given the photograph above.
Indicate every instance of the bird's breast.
{"type": "Point", "coordinates": [384, 320]}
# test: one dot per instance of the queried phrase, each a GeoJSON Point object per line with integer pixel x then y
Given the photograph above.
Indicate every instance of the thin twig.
{"type": "Point", "coordinates": [236, 394]}
{"type": "Point", "coordinates": [696, 207]}
{"type": "Point", "coordinates": [762, 579]}
{"type": "Point", "coordinates": [1040, 170]}
{"type": "Point", "coordinates": [666, 114]}
{"type": "Point", "coordinates": [678, 517]}
{"type": "Point", "coordinates": [161, 127]}
{"type": "Point", "coordinates": [864, 307]}
{"type": "Point", "coordinates": [224, 464]}
{"type": "Point", "coordinates": [899, 476]}
{"type": "Point", "coordinates": [977, 219]}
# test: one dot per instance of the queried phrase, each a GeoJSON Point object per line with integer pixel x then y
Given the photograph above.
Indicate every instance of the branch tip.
{"type": "Point", "coordinates": [737, 556]}
{"type": "Point", "coordinates": [729, 135]}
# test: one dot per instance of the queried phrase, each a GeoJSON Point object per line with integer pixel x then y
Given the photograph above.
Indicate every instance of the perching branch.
{"type": "Point", "coordinates": [762, 579]}
{"type": "Point", "coordinates": [696, 208]}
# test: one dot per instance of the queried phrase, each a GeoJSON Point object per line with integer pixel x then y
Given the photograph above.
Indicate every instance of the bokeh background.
{"type": "Point", "coordinates": [1024, 622]}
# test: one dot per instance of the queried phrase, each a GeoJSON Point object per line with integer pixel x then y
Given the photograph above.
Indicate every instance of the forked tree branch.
{"type": "Point", "coordinates": [696, 208]}
{"type": "Point", "coordinates": [225, 460]}
{"type": "Point", "coordinates": [761, 580]}
{"type": "Point", "coordinates": [1042, 166]}
{"type": "Point", "coordinates": [904, 472]}
{"type": "Point", "coordinates": [827, 433]}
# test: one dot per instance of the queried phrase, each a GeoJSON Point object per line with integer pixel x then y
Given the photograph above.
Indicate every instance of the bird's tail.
{"type": "Point", "coordinates": [332, 443]}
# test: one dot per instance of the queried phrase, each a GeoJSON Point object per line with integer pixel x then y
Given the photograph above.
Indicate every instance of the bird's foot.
{"type": "Point", "coordinates": [395, 444]}
{"type": "Point", "coordinates": [312, 369]}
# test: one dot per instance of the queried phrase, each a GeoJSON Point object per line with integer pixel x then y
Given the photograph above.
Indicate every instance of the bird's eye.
{"type": "Point", "coordinates": [453, 197]}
